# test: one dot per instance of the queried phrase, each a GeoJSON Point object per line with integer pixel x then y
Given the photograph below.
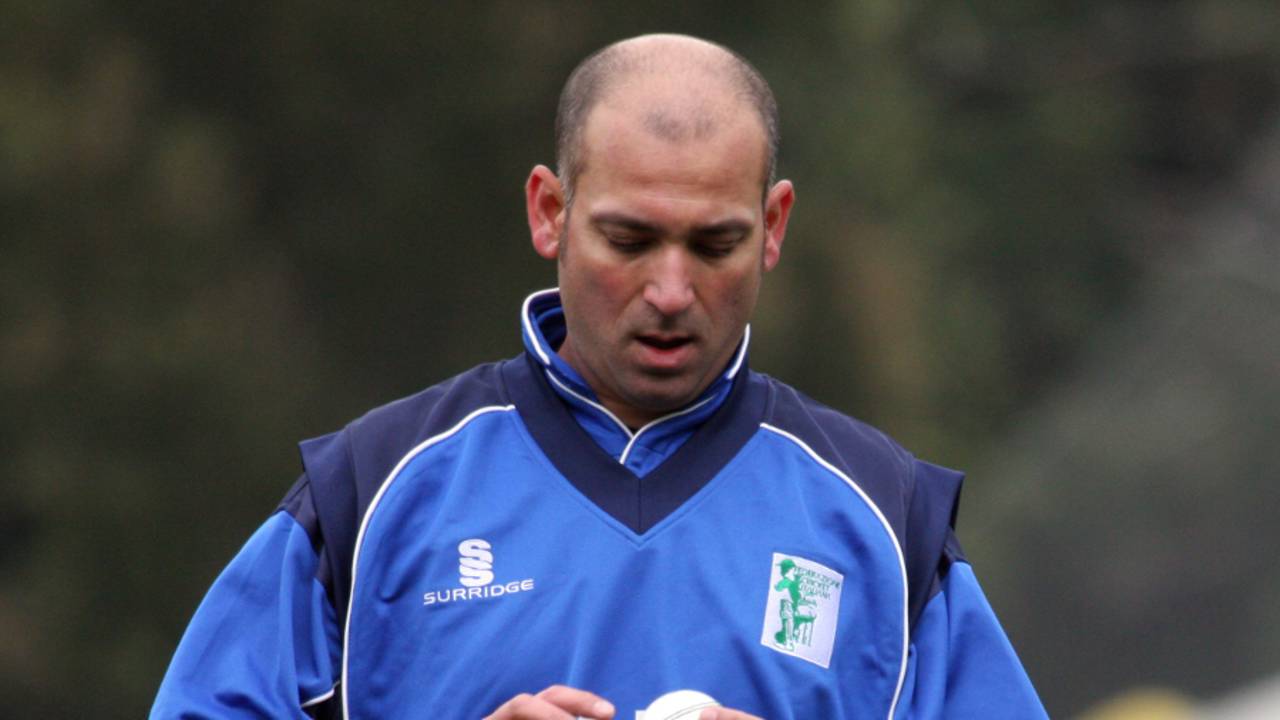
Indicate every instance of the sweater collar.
{"type": "Point", "coordinates": [543, 330]}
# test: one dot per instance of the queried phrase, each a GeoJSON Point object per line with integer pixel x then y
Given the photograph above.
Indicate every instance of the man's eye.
{"type": "Point", "coordinates": [627, 244]}
{"type": "Point", "coordinates": [715, 250]}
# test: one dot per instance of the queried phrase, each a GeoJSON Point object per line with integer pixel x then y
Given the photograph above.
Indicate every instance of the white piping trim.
{"type": "Point", "coordinates": [552, 377]}
{"type": "Point", "coordinates": [622, 460]}
{"type": "Point", "coordinates": [321, 698]}
{"type": "Point", "coordinates": [742, 353]}
{"type": "Point", "coordinates": [902, 563]}
{"type": "Point", "coordinates": [526, 322]}
{"type": "Point", "coordinates": [632, 437]}
{"type": "Point", "coordinates": [364, 525]}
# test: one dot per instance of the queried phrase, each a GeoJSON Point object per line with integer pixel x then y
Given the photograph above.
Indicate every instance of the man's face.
{"type": "Point", "coordinates": [661, 257]}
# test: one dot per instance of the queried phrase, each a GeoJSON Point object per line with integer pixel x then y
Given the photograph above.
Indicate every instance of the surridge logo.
{"type": "Point", "coordinates": [803, 608]}
{"type": "Point", "coordinates": [475, 562]}
{"type": "Point", "coordinates": [476, 575]}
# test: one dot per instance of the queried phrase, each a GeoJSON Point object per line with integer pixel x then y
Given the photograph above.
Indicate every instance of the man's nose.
{"type": "Point", "coordinates": [670, 285]}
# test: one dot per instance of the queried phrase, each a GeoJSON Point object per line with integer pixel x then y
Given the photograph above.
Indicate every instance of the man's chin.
{"type": "Point", "coordinates": [659, 401]}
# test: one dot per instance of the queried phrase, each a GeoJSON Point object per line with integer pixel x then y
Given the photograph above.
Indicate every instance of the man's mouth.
{"type": "Point", "coordinates": [659, 342]}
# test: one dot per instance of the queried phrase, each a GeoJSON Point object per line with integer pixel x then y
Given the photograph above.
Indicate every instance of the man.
{"type": "Point", "coordinates": [504, 543]}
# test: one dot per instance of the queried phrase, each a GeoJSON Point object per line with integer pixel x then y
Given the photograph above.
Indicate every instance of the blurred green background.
{"type": "Point", "coordinates": [1033, 240]}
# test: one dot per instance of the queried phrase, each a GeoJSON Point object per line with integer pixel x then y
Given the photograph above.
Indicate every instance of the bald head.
{"type": "Point", "coordinates": [679, 87]}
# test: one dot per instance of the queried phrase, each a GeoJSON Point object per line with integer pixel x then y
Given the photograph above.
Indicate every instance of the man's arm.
{"type": "Point", "coordinates": [961, 662]}
{"type": "Point", "coordinates": [264, 642]}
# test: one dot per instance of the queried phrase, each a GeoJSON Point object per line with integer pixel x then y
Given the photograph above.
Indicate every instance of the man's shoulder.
{"type": "Point", "coordinates": [433, 409]}
{"type": "Point", "coordinates": [917, 499]}
{"type": "Point", "coordinates": [903, 487]}
{"type": "Point", "coordinates": [366, 449]}
{"type": "Point", "coordinates": [343, 470]}
{"type": "Point", "coordinates": [833, 435]}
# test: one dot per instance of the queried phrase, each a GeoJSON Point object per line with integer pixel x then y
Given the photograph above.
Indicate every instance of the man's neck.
{"type": "Point", "coordinates": [630, 415]}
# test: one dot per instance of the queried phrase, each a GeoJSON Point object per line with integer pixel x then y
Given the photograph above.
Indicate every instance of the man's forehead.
{"type": "Point", "coordinates": [677, 146]}
{"type": "Point", "coordinates": [680, 126]}
{"type": "Point", "coordinates": [667, 111]}
{"type": "Point", "coordinates": [697, 98]}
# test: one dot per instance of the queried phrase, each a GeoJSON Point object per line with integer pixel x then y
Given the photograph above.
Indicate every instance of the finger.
{"type": "Point", "coordinates": [725, 714]}
{"type": "Point", "coordinates": [528, 707]}
{"type": "Point", "coordinates": [578, 702]}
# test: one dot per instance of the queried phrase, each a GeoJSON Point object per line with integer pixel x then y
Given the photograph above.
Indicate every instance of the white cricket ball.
{"type": "Point", "coordinates": [679, 705]}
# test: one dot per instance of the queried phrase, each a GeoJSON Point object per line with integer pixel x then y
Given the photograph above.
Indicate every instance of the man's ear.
{"type": "Point", "coordinates": [544, 203]}
{"type": "Point", "coordinates": [777, 210]}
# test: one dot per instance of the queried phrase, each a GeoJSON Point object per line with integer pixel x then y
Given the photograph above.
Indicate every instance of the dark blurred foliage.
{"type": "Point", "coordinates": [228, 226]}
{"type": "Point", "coordinates": [1154, 461]}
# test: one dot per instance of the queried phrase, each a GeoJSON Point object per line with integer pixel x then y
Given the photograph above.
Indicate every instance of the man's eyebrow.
{"type": "Point", "coordinates": [627, 222]}
{"type": "Point", "coordinates": [726, 227]}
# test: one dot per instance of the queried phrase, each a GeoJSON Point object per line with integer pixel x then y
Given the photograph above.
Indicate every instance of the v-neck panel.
{"type": "Point", "coordinates": [638, 503]}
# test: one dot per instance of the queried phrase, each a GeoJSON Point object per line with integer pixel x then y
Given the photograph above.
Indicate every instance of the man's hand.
{"type": "Point", "coordinates": [565, 703]}
{"type": "Point", "coordinates": [725, 714]}
{"type": "Point", "coordinates": [557, 703]}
